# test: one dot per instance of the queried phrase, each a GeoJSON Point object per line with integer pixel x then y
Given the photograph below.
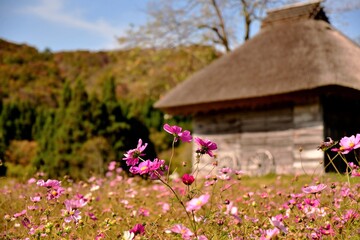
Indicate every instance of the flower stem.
{"type": "Point", "coordinates": [192, 220]}
{"type": "Point", "coordinates": [171, 157]}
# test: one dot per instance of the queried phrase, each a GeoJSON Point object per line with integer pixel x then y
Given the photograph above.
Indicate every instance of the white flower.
{"type": "Point", "coordinates": [128, 235]}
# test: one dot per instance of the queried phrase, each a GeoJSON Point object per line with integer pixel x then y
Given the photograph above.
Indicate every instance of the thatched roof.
{"type": "Point", "coordinates": [285, 57]}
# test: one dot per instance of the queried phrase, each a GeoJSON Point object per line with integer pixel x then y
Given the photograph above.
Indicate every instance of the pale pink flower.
{"type": "Point", "coordinates": [35, 199]}
{"type": "Point", "coordinates": [112, 166]}
{"type": "Point", "coordinates": [205, 146]}
{"type": "Point", "coordinates": [165, 206]}
{"type": "Point", "coordinates": [49, 183]}
{"type": "Point", "coordinates": [347, 144]}
{"type": "Point", "coordinates": [314, 189]}
{"type": "Point", "coordinates": [54, 188]}
{"type": "Point", "coordinates": [19, 214]}
{"type": "Point", "coordinates": [277, 221]}
{"type": "Point", "coordinates": [196, 203]}
{"type": "Point", "coordinates": [181, 229]}
{"type": "Point", "coordinates": [143, 212]}
{"type": "Point", "coordinates": [71, 213]}
{"type": "Point", "coordinates": [269, 234]}
{"type": "Point", "coordinates": [355, 172]}
{"type": "Point", "coordinates": [55, 193]}
{"type": "Point", "coordinates": [350, 215]}
{"type": "Point", "coordinates": [132, 156]}
{"type": "Point", "coordinates": [202, 237]}
{"type": "Point", "coordinates": [31, 181]}
{"type": "Point", "coordinates": [177, 132]}
{"type": "Point", "coordinates": [225, 170]}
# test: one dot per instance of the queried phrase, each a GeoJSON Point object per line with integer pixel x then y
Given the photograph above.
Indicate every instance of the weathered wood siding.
{"type": "Point", "coordinates": [263, 141]}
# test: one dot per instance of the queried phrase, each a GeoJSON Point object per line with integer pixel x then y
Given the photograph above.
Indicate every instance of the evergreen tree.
{"type": "Point", "coordinates": [99, 116]}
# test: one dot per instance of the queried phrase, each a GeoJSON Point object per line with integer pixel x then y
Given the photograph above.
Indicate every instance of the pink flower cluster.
{"type": "Point", "coordinates": [54, 189]}
{"type": "Point", "coordinates": [132, 156]}
{"type": "Point", "coordinates": [154, 169]}
{"type": "Point", "coordinates": [355, 170]}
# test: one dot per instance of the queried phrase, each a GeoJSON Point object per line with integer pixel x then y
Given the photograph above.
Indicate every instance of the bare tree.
{"type": "Point", "coordinates": [219, 23]}
{"type": "Point", "coordinates": [213, 22]}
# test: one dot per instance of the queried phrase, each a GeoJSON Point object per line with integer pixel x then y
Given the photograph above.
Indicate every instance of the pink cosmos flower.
{"type": "Point", "coordinates": [205, 146]}
{"type": "Point", "coordinates": [19, 214]}
{"type": "Point", "coordinates": [181, 229]}
{"type": "Point", "coordinates": [71, 213]}
{"type": "Point", "coordinates": [31, 181]}
{"type": "Point", "coordinates": [112, 166]}
{"type": "Point", "coordinates": [132, 156]}
{"type": "Point", "coordinates": [354, 169]}
{"type": "Point", "coordinates": [187, 179]}
{"type": "Point", "coordinates": [143, 168]}
{"type": "Point", "coordinates": [35, 199]}
{"type": "Point", "coordinates": [350, 215]}
{"type": "Point", "coordinates": [165, 206]}
{"type": "Point", "coordinates": [178, 133]}
{"type": "Point", "coordinates": [314, 189]}
{"type": "Point", "coordinates": [269, 234]}
{"type": "Point", "coordinates": [277, 222]}
{"type": "Point", "coordinates": [143, 212]}
{"type": "Point", "coordinates": [49, 183]}
{"type": "Point", "coordinates": [347, 144]}
{"type": "Point", "coordinates": [54, 188]}
{"type": "Point", "coordinates": [196, 203]}
{"type": "Point", "coordinates": [55, 193]}
{"type": "Point", "coordinates": [154, 168]}
{"type": "Point", "coordinates": [327, 230]}
{"type": "Point", "coordinates": [157, 168]}
{"type": "Point", "coordinates": [100, 236]}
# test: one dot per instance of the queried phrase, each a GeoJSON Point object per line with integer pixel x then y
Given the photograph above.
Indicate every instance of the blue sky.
{"type": "Point", "coordinates": [93, 24]}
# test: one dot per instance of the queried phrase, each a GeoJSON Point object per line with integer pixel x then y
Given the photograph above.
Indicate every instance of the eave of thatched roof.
{"type": "Point", "coordinates": [281, 59]}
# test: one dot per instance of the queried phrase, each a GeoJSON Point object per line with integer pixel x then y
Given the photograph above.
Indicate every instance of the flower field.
{"type": "Point", "coordinates": [225, 204]}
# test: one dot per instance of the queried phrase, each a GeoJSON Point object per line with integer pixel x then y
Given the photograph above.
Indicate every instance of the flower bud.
{"type": "Point", "coordinates": [187, 179]}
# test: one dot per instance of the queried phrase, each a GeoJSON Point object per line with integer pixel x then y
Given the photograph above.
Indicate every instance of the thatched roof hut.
{"type": "Point", "coordinates": [296, 61]}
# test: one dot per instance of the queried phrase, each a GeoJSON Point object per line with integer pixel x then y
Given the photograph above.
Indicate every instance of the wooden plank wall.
{"type": "Point", "coordinates": [241, 135]}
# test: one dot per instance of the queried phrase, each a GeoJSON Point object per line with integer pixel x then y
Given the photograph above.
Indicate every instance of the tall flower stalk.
{"type": "Point", "coordinates": [156, 169]}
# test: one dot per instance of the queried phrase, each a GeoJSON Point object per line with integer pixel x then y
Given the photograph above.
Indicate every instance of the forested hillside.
{"type": "Point", "coordinates": [73, 112]}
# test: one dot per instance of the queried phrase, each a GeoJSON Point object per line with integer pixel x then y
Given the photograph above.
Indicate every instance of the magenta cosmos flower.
{"type": "Point", "coordinates": [138, 229]}
{"type": "Point", "coordinates": [314, 189]}
{"type": "Point", "coordinates": [177, 132]}
{"type": "Point", "coordinates": [347, 144]}
{"type": "Point", "coordinates": [205, 146]}
{"type": "Point", "coordinates": [132, 156]}
{"type": "Point", "coordinates": [196, 203]}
